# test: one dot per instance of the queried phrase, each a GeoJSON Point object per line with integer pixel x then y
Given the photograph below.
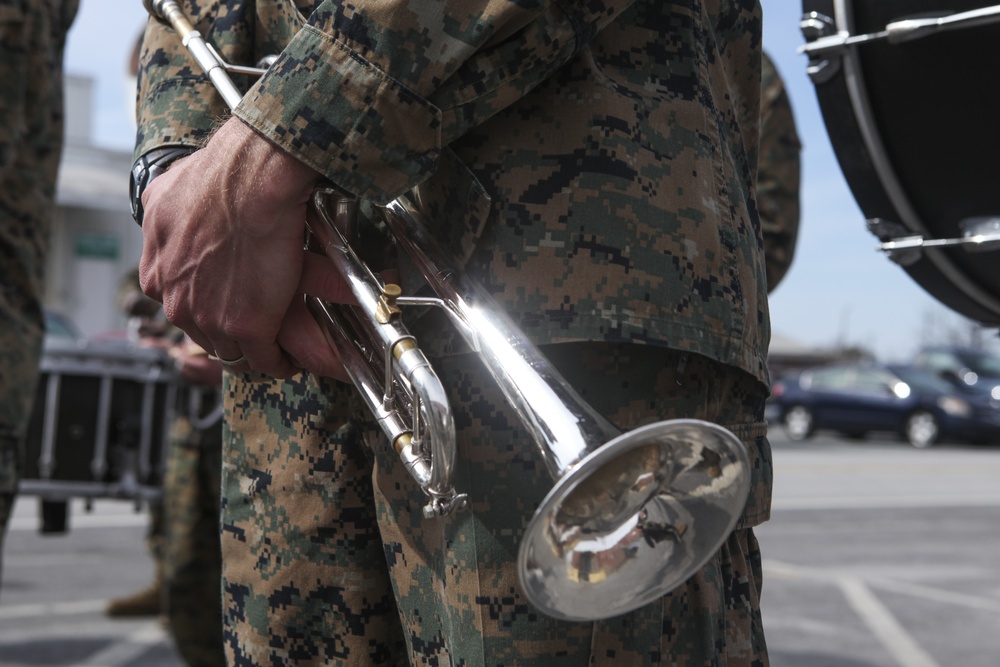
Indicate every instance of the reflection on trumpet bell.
{"type": "Point", "coordinates": [634, 520]}
{"type": "Point", "coordinates": [608, 498]}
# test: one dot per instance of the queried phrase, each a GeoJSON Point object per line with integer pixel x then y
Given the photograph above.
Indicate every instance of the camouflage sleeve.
{"type": "Point", "coordinates": [369, 93]}
{"type": "Point", "coordinates": [778, 175]}
{"type": "Point", "coordinates": [32, 39]}
{"type": "Point", "coordinates": [13, 75]}
{"type": "Point", "coordinates": [176, 104]}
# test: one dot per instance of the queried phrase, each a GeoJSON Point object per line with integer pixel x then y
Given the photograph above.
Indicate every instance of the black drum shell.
{"type": "Point", "coordinates": [935, 108]}
{"type": "Point", "coordinates": [79, 444]}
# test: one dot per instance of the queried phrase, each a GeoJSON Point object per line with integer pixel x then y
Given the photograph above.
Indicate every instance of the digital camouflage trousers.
{"type": "Point", "coordinates": [192, 563]}
{"type": "Point", "coordinates": [327, 559]}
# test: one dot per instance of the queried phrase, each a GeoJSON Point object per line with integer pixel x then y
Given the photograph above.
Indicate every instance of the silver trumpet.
{"type": "Point", "coordinates": [630, 515]}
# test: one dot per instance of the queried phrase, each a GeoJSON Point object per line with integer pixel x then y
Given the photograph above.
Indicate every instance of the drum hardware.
{"type": "Point", "coordinates": [816, 29]}
{"type": "Point", "coordinates": [824, 41]}
{"type": "Point", "coordinates": [630, 516]}
{"type": "Point", "coordinates": [978, 235]}
{"type": "Point", "coordinates": [203, 420]}
{"type": "Point", "coordinates": [100, 424]}
{"type": "Point", "coordinates": [896, 111]}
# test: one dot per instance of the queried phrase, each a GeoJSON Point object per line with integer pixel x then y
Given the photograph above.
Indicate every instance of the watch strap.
{"type": "Point", "coordinates": [148, 167]}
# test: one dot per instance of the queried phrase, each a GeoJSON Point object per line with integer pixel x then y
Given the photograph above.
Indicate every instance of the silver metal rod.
{"type": "Point", "coordinates": [904, 30]}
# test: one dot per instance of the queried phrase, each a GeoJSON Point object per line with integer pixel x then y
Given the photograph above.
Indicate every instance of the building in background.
{"type": "Point", "coordinates": [95, 241]}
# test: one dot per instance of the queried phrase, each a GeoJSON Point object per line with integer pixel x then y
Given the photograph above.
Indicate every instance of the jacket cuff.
{"type": "Point", "coordinates": [168, 117]}
{"type": "Point", "coordinates": [326, 105]}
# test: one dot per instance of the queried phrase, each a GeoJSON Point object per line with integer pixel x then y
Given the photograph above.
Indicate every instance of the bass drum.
{"type": "Point", "coordinates": [915, 125]}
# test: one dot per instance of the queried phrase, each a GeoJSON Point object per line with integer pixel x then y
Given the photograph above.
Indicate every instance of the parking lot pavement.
{"type": "Point", "coordinates": [877, 555]}
{"type": "Point", "coordinates": [55, 589]}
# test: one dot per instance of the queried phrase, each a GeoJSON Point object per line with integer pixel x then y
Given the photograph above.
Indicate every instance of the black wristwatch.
{"type": "Point", "coordinates": [148, 167]}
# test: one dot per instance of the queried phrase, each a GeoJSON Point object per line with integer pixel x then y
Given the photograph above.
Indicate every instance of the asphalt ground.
{"type": "Point", "coordinates": [877, 555]}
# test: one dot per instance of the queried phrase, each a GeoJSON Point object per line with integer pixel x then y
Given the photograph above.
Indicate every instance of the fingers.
{"type": "Point", "coordinates": [246, 344]}
{"type": "Point", "coordinates": [239, 294]}
{"type": "Point", "coordinates": [320, 278]}
{"type": "Point", "coordinates": [308, 343]}
{"type": "Point", "coordinates": [267, 358]}
{"type": "Point", "coordinates": [300, 343]}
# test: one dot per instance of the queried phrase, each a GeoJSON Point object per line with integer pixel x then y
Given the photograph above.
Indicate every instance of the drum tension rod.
{"type": "Point", "coordinates": [978, 235]}
{"type": "Point", "coordinates": [815, 24]}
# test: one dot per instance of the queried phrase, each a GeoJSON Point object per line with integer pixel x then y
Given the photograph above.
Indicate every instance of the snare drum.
{"type": "Point", "coordinates": [101, 420]}
{"type": "Point", "coordinates": [912, 112]}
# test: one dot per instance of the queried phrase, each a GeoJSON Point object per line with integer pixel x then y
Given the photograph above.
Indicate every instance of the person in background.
{"type": "Point", "coordinates": [593, 164]}
{"type": "Point", "coordinates": [778, 174]}
{"type": "Point", "coordinates": [32, 41]}
{"type": "Point", "coordinates": [145, 325]}
{"type": "Point", "coordinates": [184, 525]}
{"type": "Point", "coordinates": [192, 560]}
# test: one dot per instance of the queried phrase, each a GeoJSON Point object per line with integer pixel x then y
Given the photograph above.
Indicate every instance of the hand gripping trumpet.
{"type": "Point", "coordinates": [630, 515]}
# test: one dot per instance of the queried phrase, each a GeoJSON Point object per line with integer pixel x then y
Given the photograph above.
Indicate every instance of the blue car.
{"type": "Point", "coordinates": [856, 399]}
{"type": "Point", "coordinates": [962, 367]}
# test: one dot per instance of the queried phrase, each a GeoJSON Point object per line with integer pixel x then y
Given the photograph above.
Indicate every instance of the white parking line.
{"type": "Point", "coordinates": [126, 650]}
{"type": "Point", "coordinates": [937, 595]}
{"type": "Point", "coordinates": [789, 572]}
{"type": "Point", "coordinates": [84, 520]}
{"type": "Point", "coordinates": [894, 638]}
{"type": "Point", "coordinates": [890, 633]}
{"type": "Point", "coordinates": [46, 609]}
{"type": "Point", "coordinates": [883, 502]}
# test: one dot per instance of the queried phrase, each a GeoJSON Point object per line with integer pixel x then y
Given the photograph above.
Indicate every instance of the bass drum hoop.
{"type": "Point", "coordinates": [864, 140]}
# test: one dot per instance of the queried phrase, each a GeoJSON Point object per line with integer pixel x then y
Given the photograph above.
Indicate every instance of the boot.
{"type": "Point", "coordinates": [147, 602]}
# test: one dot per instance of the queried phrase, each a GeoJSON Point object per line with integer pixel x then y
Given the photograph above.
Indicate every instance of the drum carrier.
{"type": "Point", "coordinates": [101, 421]}
{"type": "Point", "coordinates": [908, 93]}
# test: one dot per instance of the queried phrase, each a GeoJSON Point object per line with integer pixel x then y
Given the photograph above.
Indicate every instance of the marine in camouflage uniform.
{"type": "Point", "coordinates": [32, 38]}
{"type": "Point", "coordinates": [192, 562]}
{"type": "Point", "coordinates": [593, 163]}
{"type": "Point", "coordinates": [145, 321]}
{"type": "Point", "coordinates": [778, 174]}
{"type": "Point", "coordinates": [184, 526]}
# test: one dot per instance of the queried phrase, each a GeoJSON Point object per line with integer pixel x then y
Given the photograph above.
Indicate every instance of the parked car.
{"type": "Point", "coordinates": [856, 399]}
{"type": "Point", "coordinates": [58, 325]}
{"type": "Point", "coordinates": [962, 367]}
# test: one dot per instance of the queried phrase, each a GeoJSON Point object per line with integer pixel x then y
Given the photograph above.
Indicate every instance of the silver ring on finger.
{"type": "Point", "coordinates": [229, 363]}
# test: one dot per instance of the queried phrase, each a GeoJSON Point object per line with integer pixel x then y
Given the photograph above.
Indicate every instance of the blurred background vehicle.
{"type": "Point", "coordinates": [856, 399]}
{"type": "Point", "coordinates": [58, 325]}
{"type": "Point", "coordinates": [962, 367]}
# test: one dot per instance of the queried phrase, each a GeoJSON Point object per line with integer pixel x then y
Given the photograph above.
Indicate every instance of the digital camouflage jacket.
{"type": "Point", "coordinates": [592, 162]}
{"type": "Point", "coordinates": [32, 41]}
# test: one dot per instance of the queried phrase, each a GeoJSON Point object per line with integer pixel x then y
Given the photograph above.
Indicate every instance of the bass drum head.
{"type": "Point", "coordinates": [915, 126]}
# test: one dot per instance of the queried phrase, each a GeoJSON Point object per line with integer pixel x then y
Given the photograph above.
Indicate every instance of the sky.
{"type": "Point", "coordinates": [840, 290]}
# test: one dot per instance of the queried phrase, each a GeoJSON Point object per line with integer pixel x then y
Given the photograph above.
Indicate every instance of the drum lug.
{"type": "Point", "coordinates": [898, 244]}
{"type": "Point", "coordinates": [824, 46]}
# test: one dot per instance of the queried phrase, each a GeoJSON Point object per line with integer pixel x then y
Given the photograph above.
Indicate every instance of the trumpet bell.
{"type": "Point", "coordinates": [634, 519]}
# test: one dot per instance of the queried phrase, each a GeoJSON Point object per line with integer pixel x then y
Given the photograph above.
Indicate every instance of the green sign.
{"type": "Point", "coordinates": [97, 246]}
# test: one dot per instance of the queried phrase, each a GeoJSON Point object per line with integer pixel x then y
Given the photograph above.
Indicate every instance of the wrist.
{"type": "Point", "coordinates": [148, 167]}
{"type": "Point", "coordinates": [288, 179]}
